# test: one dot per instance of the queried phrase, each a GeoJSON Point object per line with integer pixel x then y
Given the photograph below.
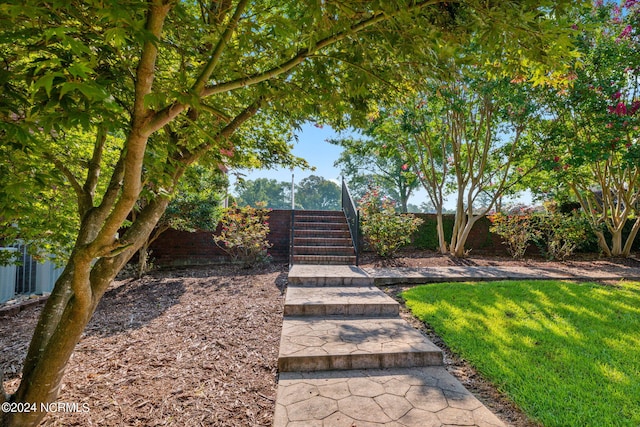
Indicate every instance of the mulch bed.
{"type": "Point", "coordinates": [199, 346]}
{"type": "Point", "coordinates": [185, 347]}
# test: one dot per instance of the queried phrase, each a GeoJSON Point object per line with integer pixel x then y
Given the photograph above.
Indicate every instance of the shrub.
{"type": "Point", "coordinates": [515, 230]}
{"type": "Point", "coordinates": [244, 235]}
{"type": "Point", "coordinates": [558, 236]}
{"type": "Point", "coordinates": [426, 236]}
{"type": "Point", "coordinates": [385, 230]}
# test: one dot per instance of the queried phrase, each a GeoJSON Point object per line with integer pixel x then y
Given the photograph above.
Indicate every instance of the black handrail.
{"type": "Point", "coordinates": [353, 218]}
{"type": "Point", "coordinates": [292, 236]}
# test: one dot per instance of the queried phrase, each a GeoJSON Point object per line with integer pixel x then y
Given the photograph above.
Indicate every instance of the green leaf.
{"type": "Point", "coordinates": [46, 82]}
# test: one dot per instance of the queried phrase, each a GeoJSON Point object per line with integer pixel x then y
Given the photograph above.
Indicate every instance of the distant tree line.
{"type": "Point", "coordinates": [313, 193]}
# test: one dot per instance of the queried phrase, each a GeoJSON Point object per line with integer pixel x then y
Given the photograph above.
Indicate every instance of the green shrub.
{"type": "Point", "coordinates": [385, 230]}
{"type": "Point", "coordinates": [426, 236]}
{"type": "Point", "coordinates": [516, 231]}
{"type": "Point", "coordinates": [244, 235]}
{"type": "Point", "coordinates": [557, 235]}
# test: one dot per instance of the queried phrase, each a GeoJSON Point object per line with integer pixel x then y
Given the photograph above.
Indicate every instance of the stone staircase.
{"type": "Point", "coordinates": [347, 323]}
{"type": "Point", "coordinates": [348, 359]}
{"type": "Point", "coordinates": [322, 237]}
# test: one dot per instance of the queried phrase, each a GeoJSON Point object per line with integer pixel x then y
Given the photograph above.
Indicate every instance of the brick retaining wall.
{"type": "Point", "coordinates": [177, 248]}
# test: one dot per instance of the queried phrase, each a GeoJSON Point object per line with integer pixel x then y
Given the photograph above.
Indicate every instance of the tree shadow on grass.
{"type": "Point", "coordinates": [569, 342]}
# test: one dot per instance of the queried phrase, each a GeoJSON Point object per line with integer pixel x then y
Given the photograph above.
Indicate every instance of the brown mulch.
{"type": "Point", "coordinates": [199, 346]}
{"type": "Point", "coordinates": [193, 347]}
{"type": "Point", "coordinates": [415, 258]}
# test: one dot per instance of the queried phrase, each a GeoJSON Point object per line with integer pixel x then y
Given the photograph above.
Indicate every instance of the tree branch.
{"type": "Point", "coordinates": [136, 143]}
{"type": "Point", "coordinates": [304, 53]}
{"type": "Point", "coordinates": [225, 132]}
{"type": "Point", "coordinates": [77, 188]}
{"type": "Point", "coordinates": [93, 171]}
{"type": "Point", "coordinates": [199, 85]}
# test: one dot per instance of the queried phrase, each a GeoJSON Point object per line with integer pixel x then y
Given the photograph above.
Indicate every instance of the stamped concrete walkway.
{"type": "Point", "coordinates": [348, 359]}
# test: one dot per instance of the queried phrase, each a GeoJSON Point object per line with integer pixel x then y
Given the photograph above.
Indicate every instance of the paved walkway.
{"type": "Point", "coordinates": [347, 359]}
{"type": "Point", "coordinates": [387, 276]}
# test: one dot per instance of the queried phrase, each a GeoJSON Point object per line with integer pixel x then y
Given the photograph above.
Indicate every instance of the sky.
{"type": "Point", "coordinates": [312, 146]}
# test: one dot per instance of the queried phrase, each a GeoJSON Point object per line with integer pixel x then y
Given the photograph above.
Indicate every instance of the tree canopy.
{"type": "Point", "coordinates": [264, 191]}
{"type": "Point", "coordinates": [107, 103]}
{"type": "Point", "coordinates": [317, 193]}
{"type": "Point", "coordinates": [593, 125]}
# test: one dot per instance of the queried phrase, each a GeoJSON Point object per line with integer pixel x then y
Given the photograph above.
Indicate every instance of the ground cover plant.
{"type": "Point", "coordinates": [565, 352]}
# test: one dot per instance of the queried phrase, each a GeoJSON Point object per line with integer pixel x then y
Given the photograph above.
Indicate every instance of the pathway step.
{"type": "Point", "coordinates": [323, 241]}
{"type": "Point", "coordinates": [324, 259]}
{"type": "Point", "coordinates": [340, 301]}
{"type": "Point", "coordinates": [342, 225]}
{"type": "Point", "coordinates": [328, 275]}
{"type": "Point", "coordinates": [330, 234]}
{"type": "Point", "coordinates": [338, 217]}
{"type": "Point", "coordinates": [415, 397]}
{"type": "Point", "coordinates": [406, 275]}
{"type": "Point", "coordinates": [336, 343]}
{"type": "Point", "coordinates": [323, 250]}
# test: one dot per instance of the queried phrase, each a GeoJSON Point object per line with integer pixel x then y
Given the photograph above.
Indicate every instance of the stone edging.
{"type": "Point", "coordinates": [13, 309]}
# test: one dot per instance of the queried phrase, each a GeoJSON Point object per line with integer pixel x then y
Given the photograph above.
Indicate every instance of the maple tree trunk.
{"type": "Point", "coordinates": [143, 259]}
{"type": "Point", "coordinates": [65, 316]}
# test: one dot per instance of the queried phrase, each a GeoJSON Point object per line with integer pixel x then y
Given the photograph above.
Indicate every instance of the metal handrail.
{"type": "Point", "coordinates": [292, 236]}
{"type": "Point", "coordinates": [353, 218]}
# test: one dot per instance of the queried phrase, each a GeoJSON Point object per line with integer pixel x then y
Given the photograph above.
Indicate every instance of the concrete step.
{"type": "Point", "coordinates": [328, 275]}
{"type": "Point", "coordinates": [323, 250]}
{"type": "Point", "coordinates": [322, 241]}
{"type": "Point", "coordinates": [341, 301]}
{"type": "Point", "coordinates": [410, 397]}
{"type": "Point", "coordinates": [338, 343]}
{"type": "Point", "coordinates": [324, 259]}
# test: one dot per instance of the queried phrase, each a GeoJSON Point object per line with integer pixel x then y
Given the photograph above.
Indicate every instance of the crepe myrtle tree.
{"type": "Point", "coordinates": [595, 125]}
{"type": "Point", "coordinates": [156, 86]}
{"type": "Point", "coordinates": [464, 135]}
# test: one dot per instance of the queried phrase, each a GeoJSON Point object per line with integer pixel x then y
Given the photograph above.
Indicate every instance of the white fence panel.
{"type": "Point", "coordinates": [46, 275]}
{"type": "Point", "coordinates": [7, 279]}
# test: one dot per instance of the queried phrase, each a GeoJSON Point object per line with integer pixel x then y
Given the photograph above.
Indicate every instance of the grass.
{"type": "Point", "coordinates": [567, 353]}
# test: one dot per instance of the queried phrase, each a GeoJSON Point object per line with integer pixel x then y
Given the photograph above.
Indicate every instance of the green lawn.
{"type": "Point", "coordinates": [567, 353]}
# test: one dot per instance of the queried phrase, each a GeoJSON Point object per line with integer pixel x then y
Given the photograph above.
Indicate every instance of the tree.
{"type": "Point", "coordinates": [315, 192]}
{"type": "Point", "coordinates": [264, 191]}
{"type": "Point", "coordinates": [462, 134]}
{"type": "Point", "coordinates": [374, 162]}
{"type": "Point", "coordinates": [594, 125]}
{"type": "Point", "coordinates": [157, 86]}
